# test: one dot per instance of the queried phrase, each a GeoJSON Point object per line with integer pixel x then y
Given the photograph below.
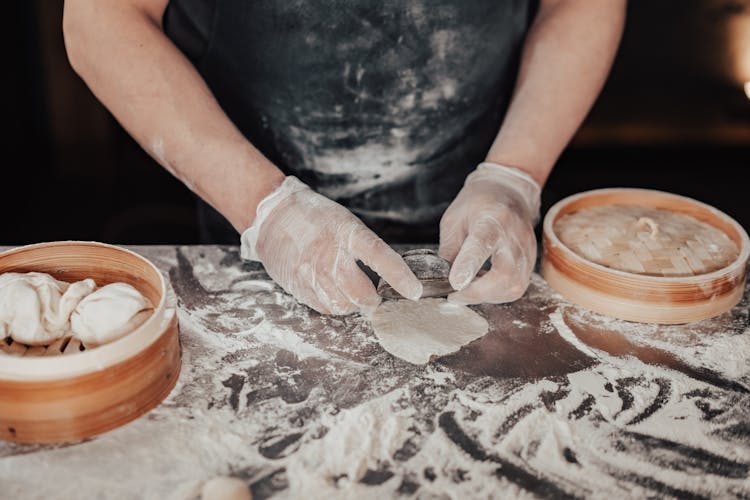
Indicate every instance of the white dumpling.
{"type": "Point", "coordinates": [225, 488]}
{"type": "Point", "coordinates": [35, 307]}
{"type": "Point", "coordinates": [21, 310]}
{"type": "Point", "coordinates": [109, 313]}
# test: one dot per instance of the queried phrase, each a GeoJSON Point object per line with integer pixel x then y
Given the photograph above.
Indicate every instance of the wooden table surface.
{"type": "Point", "coordinates": [554, 402]}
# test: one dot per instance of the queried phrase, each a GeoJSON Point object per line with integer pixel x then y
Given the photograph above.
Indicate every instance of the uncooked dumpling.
{"type": "Point", "coordinates": [419, 331]}
{"type": "Point", "coordinates": [35, 308]}
{"type": "Point", "coordinates": [109, 313]}
{"type": "Point", "coordinates": [225, 488]}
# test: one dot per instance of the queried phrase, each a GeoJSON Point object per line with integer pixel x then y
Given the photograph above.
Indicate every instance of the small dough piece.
{"type": "Point", "coordinates": [225, 488]}
{"type": "Point", "coordinates": [109, 313]}
{"type": "Point", "coordinates": [35, 308]}
{"type": "Point", "coordinates": [429, 328]}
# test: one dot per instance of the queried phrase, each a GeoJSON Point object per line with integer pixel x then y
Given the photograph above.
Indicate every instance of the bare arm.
{"type": "Point", "coordinates": [119, 49]}
{"type": "Point", "coordinates": [307, 243]}
{"type": "Point", "coordinates": [565, 61]}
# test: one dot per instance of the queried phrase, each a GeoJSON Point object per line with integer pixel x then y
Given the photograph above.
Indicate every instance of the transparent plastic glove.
{"type": "Point", "coordinates": [310, 246]}
{"type": "Point", "coordinates": [493, 218]}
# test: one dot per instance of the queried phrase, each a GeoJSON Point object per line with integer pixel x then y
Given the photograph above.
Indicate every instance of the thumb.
{"type": "Point", "coordinates": [452, 236]}
{"type": "Point", "coordinates": [476, 249]}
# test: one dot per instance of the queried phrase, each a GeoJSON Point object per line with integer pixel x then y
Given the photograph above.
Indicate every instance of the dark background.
{"type": "Point", "coordinates": [673, 116]}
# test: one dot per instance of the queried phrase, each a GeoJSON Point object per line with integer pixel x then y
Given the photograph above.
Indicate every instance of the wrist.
{"type": "Point", "coordinates": [248, 199]}
{"type": "Point", "coordinates": [525, 187]}
{"type": "Point", "coordinates": [504, 170]}
{"type": "Point", "coordinates": [249, 237]}
{"type": "Point", "coordinates": [532, 166]}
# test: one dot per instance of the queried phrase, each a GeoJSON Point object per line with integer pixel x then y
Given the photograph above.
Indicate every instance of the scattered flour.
{"type": "Point", "coordinates": [300, 405]}
{"type": "Point", "coordinates": [719, 344]}
{"type": "Point", "coordinates": [360, 438]}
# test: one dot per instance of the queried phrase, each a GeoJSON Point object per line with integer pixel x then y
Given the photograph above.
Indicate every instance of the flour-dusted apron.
{"type": "Point", "coordinates": [382, 105]}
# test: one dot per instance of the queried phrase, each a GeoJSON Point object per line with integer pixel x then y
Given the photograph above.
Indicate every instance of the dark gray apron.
{"type": "Point", "coordinates": [383, 106]}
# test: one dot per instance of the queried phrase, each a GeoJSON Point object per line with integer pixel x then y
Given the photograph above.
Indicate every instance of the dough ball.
{"type": "Point", "coordinates": [225, 488]}
{"type": "Point", "coordinates": [429, 328]}
{"type": "Point", "coordinates": [35, 308]}
{"type": "Point", "coordinates": [109, 313]}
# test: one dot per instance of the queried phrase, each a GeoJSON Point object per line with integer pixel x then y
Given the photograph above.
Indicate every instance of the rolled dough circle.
{"type": "Point", "coordinates": [429, 328]}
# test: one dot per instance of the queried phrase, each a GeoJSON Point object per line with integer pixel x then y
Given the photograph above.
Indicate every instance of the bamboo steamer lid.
{"type": "Point", "coordinates": [644, 255]}
{"type": "Point", "coordinates": [67, 391]}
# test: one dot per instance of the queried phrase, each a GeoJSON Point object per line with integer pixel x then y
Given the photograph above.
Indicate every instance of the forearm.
{"type": "Point", "coordinates": [564, 63]}
{"type": "Point", "coordinates": [120, 50]}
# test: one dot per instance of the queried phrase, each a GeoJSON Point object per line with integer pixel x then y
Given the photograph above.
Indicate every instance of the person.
{"type": "Point", "coordinates": [311, 126]}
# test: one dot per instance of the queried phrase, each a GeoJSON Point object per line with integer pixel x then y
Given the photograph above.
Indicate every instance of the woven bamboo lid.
{"type": "Point", "coordinates": [645, 255]}
{"type": "Point", "coordinates": [646, 240]}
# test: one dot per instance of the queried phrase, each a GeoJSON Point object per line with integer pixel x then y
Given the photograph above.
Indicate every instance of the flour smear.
{"type": "Point", "coordinates": [300, 405]}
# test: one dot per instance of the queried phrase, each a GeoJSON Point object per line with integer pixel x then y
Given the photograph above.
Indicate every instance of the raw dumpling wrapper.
{"type": "Point", "coordinates": [419, 331]}
{"type": "Point", "coordinates": [109, 313]}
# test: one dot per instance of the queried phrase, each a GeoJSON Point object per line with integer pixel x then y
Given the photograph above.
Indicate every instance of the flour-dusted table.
{"type": "Point", "coordinates": [554, 402]}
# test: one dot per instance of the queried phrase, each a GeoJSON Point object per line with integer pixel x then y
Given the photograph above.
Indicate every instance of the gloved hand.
{"type": "Point", "coordinates": [310, 246]}
{"type": "Point", "coordinates": [492, 217]}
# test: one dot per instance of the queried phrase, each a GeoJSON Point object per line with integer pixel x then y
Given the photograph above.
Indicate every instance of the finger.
{"type": "Point", "coordinates": [314, 303]}
{"type": "Point", "coordinates": [302, 288]}
{"type": "Point", "coordinates": [319, 274]}
{"type": "Point", "coordinates": [307, 296]}
{"type": "Point", "coordinates": [452, 237]}
{"type": "Point", "coordinates": [497, 286]}
{"type": "Point", "coordinates": [356, 286]}
{"type": "Point", "coordinates": [331, 297]}
{"type": "Point", "coordinates": [483, 238]}
{"type": "Point", "coordinates": [378, 256]}
{"type": "Point", "coordinates": [506, 281]}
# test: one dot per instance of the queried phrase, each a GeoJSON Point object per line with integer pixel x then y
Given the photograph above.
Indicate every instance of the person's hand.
{"type": "Point", "coordinates": [310, 246]}
{"type": "Point", "coordinates": [492, 217]}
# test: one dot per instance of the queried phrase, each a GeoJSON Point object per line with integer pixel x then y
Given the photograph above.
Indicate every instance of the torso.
{"type": "Point", "coordinates": [383, 106]}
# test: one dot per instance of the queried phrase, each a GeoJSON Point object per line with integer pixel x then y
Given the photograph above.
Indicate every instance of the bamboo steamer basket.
{"type": "Point", "coordinates": [67, 391]}
{"type": "Point", "coordinates": [644, 296]}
